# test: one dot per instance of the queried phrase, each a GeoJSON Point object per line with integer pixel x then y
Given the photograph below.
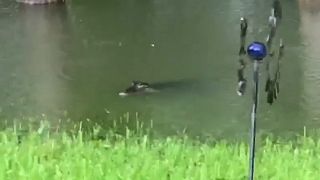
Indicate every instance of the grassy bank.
{"type": "Point", "coordinates": [43, 155]}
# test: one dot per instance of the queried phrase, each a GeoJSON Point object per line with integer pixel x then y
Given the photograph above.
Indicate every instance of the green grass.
{"type": "Point", "coordinates": [60, 155]}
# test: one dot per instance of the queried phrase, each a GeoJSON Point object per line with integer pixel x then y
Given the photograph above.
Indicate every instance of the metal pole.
{"type": "Point", "coordinates": [257, 51]}
{"type": "Point", "coordinates": [253, 119]}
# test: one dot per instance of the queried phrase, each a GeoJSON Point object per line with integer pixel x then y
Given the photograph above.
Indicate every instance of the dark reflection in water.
{"type": "Point", "coordinates": [74, 60]}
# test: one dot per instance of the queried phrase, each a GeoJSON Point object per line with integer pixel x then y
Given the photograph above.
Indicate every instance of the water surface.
{"type": "Point", "coordinates": [73, 60]}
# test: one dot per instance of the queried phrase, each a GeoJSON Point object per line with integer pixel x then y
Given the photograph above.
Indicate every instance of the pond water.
{"type": "Point", "coordinates": [71, 61]}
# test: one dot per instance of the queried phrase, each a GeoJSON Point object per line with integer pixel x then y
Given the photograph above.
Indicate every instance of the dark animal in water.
{"type": "Point", "coordinates": [142, 88]}
{"type": "Point", "coordinates": [36, 2]}
{"type": "Point", "coordinates": [137, 87]}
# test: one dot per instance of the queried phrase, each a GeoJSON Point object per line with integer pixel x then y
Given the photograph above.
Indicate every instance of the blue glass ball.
{"type": "Point", "coordinates": [257, 51]}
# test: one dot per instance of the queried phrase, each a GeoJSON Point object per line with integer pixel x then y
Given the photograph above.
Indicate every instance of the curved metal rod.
{"type": "Point", "coordinates": [274, 87]}
{"type": "Point", "coordinates": [277, 75]}
{"type": "Point", "coordinates": [243, 34]}
{"type": "Point", "coordinates": [274, 20]}
{"type": "Point", "coordinates": [241, 79]}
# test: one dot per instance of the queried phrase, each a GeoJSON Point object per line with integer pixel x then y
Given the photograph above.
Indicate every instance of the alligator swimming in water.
{"type": "Point", "coordinates": [36, 2]}
{"type": "Point", "coordinates": [143, 88]}
{"type": "Point", "coordinates": [137, 87]}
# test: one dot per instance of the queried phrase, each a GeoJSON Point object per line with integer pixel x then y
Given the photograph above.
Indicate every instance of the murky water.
{"type": "Point", "coordinates": [74, 59]}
